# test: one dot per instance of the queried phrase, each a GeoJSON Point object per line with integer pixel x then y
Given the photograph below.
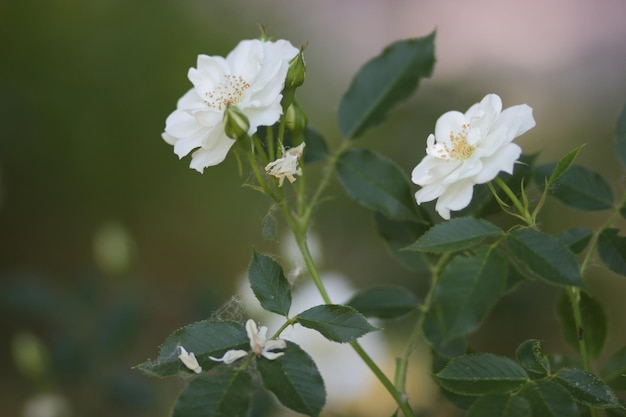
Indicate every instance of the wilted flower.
{"type": "Point", "coordinates": [469, 149]}
{"type": "Point", "coordinates": [189, 360]}
{"type": "Point", "coordinates": [350, 385]}
{"type": "Point", "coordinates": [251, 78]}
{"type": "Point", "coordinates": [287, 165]}
{"type": "Point", "coordinates": [259, 345]}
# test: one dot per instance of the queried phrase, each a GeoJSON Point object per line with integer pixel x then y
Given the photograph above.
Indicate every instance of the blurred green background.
{"type": "Point", "coordinates": [108, 242]}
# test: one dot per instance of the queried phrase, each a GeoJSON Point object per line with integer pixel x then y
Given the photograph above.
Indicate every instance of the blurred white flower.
{"type": "Point", "coordinates": [469, 149]}
{"type": "Point", "coordinates": [287, 165]}
{"type": "Point", "coordinates": [259, 345]}
{"type": "Point", "coordinates": [189, 360]}
{"type": "Point", "coordinates": [251, 78]}
{"type": "Point", "coordinates": [347, 378]}
{"type": "Point", "coordinates": [293, 261]}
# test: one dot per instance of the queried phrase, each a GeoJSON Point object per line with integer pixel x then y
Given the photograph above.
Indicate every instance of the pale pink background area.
{"type": "Point", "coordinates": [565, 58]}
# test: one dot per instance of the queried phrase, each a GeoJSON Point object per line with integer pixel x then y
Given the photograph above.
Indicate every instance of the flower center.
{"type": "Point", "coordinates": [229, 92]}
{"type": "Point", "coordinates": [461, 150]}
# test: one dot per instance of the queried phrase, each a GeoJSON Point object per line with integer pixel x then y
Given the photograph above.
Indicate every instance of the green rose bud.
{"type": "Point", "coordinates": [295, 119]}
{"type": "Point", "coordinates": [297, 70]}
{"type": "Point", "coordinates": [295, 78]}
{"type": "Point", "coordinates": [236, 123]}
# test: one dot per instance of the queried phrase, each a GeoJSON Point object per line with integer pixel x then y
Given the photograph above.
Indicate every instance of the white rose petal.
{"type": "Point", "coordinates": [259, 345]}
{"type": "Point", "coordinates": [230, 356]}
{"type": "Point", "coordinates": [189, 360]}
{"type": "Point", "coordinates": [251, 77]}
{"type": "Point", "coordinates": [469, 149]}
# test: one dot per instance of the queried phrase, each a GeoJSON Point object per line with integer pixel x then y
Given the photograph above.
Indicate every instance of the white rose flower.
{"type": "Point", "coordinates": [469, 149]}
{"type": "Point", "coordinates": [251, 78]}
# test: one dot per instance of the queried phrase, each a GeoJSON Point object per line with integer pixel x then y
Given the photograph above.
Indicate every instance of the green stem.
{"type": "Point", "coordinates": [574, 298]}
{"type": "Point", "coordinates": [258, 147]}
{"type": "Point", "coordinates": [258, 175]}
{"type": "Point", "coordinates": [286, 324]}
{"type": "Point", "coordinates": [299, 227]}
{"type": "Point", "coordinates": [281, 130]}
{"type": "Point", "coordinates": [523, 211]}
{"type": "Point", "coordinates": [403, 362]}
{"type": "Point", "coordinates": [324, 182]}
{"type": "Point", "coordinates": [400, 398]}
{"type": "Point", "coordinates": [573, 293]}
{"type": "Point", "coordinates": [594, 240]}
{"type": "Point", "coordinates": [270, 143]}
{"type": "Point", "coordinates": [310, 264]}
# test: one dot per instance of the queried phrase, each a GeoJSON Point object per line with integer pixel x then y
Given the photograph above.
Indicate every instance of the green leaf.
{"type": "Point", "coordinates": [587, 389]}
{"type": "Point", "coordinates": [384, 81]}
{"type": "Point", "coordinates": [397, 235]}
{"type": "Point", "coordinates": [564, 164]}
{"type": "Point", "coordinates": [576, 239]}
{"type": "Point", "coordinates": [455, 235]}
{"type": "Point", "coordinates": [559, 361]}
{"type": "Point", "coordinates": [295, 380]}
{"type": "Point", "coordinates": [481, 374]}
{"type": "Point", "coordinates": [385, 302]}
{"type": "Point", "coordinates": [530, 355]}
{"type": "Point", "coordinates": [594, 323]}
{"type": "Point", "coordinates": [617, 412]}
{"type": "Point", "coordinates": [204, 338]}
{"type": "Point", "coordinates": [435, 334]}
{"type": "Point", "coordinates": [620, 137]}
{"type": "Point", "coordinates": [464, 402]}
{"type": "Point", "coordinates": [376, 183]}
{"type": "Point", "coordinates": [578, 188]}
{"type": "Point", "coordinates": [269, 284]}
{"type": "Point", "coordinates": [500, 405]}
{"type": "Point", "coordinates": [225, 392]}
{"type": "Point", "coordinates": [316, 149]}
{"type": "Point", "coordinates": [549, 399]}
{"type": "Point", "coordinates": [466, 291]}
{"type": "Point", "coordinates": [513, 277]}
{"type": "Point", "coordinates": [612, 250]}
{"type": "Point", "coordinates": [614, 371]}
{"type": "Point", "coordinates": [335, 322]}
{"type": "Point", "coordinates": [545, 257]}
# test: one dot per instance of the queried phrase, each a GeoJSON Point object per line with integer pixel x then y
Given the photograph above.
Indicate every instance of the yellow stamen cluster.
{"type": "Point", "coordinates": [461, 150]}
{"type": "Point", "coordinates": [230, 92]}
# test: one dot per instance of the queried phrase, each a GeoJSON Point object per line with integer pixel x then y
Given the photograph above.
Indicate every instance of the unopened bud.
{"type": "Point", "coordinates": [236, 123]}
{"type": "Point", "coordinates": [295, 78]}
{"type": "Point", "coordinates": [295, 118]}
{"type": "Point", "coordinates": [263, 36]}
{"type": "Point", "coordinates": [297, 70]}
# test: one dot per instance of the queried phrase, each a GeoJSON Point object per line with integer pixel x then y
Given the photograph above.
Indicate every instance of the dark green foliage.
{"type": "Point", "coordinates": [594, 323]}
{"type": "Point", "coordinates": [383, 82]}
{"type": "Point", "coordinates": [335, 322]}
{"type": "Point", "coordinates": [385, 302]}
